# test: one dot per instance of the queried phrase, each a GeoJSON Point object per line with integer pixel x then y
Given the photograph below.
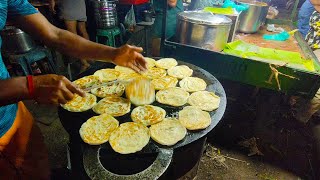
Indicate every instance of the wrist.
{"type": "Point", "coordinates": [23, 88]}
{"type": "Point", "coordinates": [30, 86]}
{"type": "Point", "coordinates": [113, 54]}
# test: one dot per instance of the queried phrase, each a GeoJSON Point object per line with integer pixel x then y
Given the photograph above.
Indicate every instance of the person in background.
{"type": "Point", "coordinates": [201, 4]}
{"type": "Point", "coordinates": [22, 150]}
{"type": "Point", "coordinates": [313, 35]}
{"type": "Point", "coordinates": [305, 12]}
{"type": "Point", "coordinates": [174, 7]}
{"type": "Point", "coordinates": [74, 15]}
{"type": "Point", "coordinates": [307, 108]}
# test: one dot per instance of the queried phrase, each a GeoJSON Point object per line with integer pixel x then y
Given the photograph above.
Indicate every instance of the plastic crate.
{"type": "Point", "coordinates": [133, 2]}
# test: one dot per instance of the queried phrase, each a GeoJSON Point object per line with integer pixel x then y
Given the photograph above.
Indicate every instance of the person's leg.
{"type": "Point", "coordinates": [306, 108]}
{"type": "Point", "coordinates": [82, 31]}
{"type": "Point", "coordinates": [156, 47]}
{"type": "Point", "coordinates": [72, 27]}
{"type": "Point", "coordinates": [305, 12]}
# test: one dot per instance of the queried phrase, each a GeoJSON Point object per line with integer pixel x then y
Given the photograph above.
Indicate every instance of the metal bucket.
{"type": "Point", "coordinates": [15, 41]}
{"type": "Point", "coordinates": [105, 13]}
{"type": "Point", "coordinates": [254, 17]}
{"type": "Point", "coordinates": [203, 29]}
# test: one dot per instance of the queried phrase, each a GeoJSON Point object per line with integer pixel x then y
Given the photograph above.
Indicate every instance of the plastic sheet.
{"type": "Point", "coordinates": [273, 56]}
{"type": "Point", "coordinates": [231, 4]}
{"type": "Point", "coordinates": [215, 10]}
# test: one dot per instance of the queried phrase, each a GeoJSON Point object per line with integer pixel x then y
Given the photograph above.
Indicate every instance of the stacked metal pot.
{"type": "Point", "coordinates": [105, 13]}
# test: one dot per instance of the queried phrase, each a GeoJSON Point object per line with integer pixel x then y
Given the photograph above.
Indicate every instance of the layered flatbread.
{"type": "Point", "coordinates": [150, 62]}
{"type": "Point", "coordinates": [166, 63]}
{"type": "Point", "coordinates": [164, 82]}
{"type": "Point", "coordinates": [172, 96]}
{"type": "Point", "coordinates": [148, 114]}
{"type": "Point", "coordinates": [106, 75]}
{"type": "Point", "coordinates": [153, 73]}
{"type": "Point", "coordinates": [193, 118]}
{"type": "Point", "coordinates": [168, 132]}
{"type": "Point", "coordinates": [128, 76]}
{"type": "Point", "coordinates": [123, 69]}
{"type": "Point", "coordinates": [129, 138]}
{"type": "Point", "coordinates": [140, 91]}
{"type": "Point", "coordinates": [114, 89]}
{"type": "Point", "coordinates": [207, 101]}
{"type": "Point", "coordinates": [193, 84]}
{"type": "Point", "coordinates": [115, 106]}
{"type": "Point", "coordinates": [87, 81]}
{"type": "Point", "coordinates": [180, 72]}
{"type": "Point", "coordinates": [97, 129]}
{"type": "Point", "coordinates": [80, 104]}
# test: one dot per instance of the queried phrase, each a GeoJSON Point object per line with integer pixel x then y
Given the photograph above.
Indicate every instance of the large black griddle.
{"type": "Point", "coordinates": [73, 121]}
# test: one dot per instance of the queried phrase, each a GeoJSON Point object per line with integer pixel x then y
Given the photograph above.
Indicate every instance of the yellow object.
{"type": "Point", "coordinates": [225, 11]}
{"type": "Point", "coordinates": [293, 31]}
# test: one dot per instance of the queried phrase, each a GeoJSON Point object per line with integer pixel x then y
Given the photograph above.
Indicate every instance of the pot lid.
{"type": "Point", "coordinates": [207, 18]}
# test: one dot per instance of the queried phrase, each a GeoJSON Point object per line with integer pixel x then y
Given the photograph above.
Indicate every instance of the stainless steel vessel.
{"type": "Point", "coordinates": [105, 13]}
{"type": "Point", "coordinates": [15, 41]}
{"type": "Point", "coordinates": [203, 29]}
{"type": "Point", "coordinates": [254, 17]}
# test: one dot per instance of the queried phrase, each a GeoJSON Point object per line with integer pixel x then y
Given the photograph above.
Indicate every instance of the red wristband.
{"type": "Point", "coordinates": [30, 85]}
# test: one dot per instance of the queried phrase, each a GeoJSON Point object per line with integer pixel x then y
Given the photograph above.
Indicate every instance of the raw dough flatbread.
{"type": "Point", "coordinates": [87, 81]}
{"type": "Point", "coordinates": [172, 96]}
{"type": "Point", "coordinates": [150, 62]}
{"type": "Point", "coordinates": [114, 89]}
{"type": "Point", "coordinates": [148, 114]}
{"type": "Point", "coordinates": [168, 132]}
{"type": "Point", "coordinates": [166, 63]}
{"type": "Point", "coordinates": [115, 106]}
{"type": "Point", "coordinates": [193, 84]}
{"type": "Point", "coordinates": [106, 75]}
{"type": "Point", "coordinates": [207, 101]}
{"type": "Point", "coordinates": [129, 138]}
{"type": "Point", "coordinates": [140, 92]}
{"type": "Point", "coordinates": [80, 104]}
{"type": "Point", "coordinates": [164, 82]}
{"type": "Point", "coordinates": [153, 73]}
{"type": "Point", "coordinates": [97, 129]}
{"type": "Point", "coordinates": [180, 72]}
{"type": "Point", "coordinates": [194, 118]}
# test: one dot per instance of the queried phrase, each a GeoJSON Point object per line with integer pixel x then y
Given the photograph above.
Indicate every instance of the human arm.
{"type": "Point", "coordinates": [48, 89]}
{"type": "Point", "coordinates": [68, 43]}
{"type": "Point", "coordinates": [316, 4]}
{"type": "Point", "coordinates": [172, 3]}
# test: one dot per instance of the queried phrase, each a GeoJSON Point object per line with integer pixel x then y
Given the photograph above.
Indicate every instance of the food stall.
{"type": "Point", "coordinates": [280, 75]}
{"type": "Point", "coordinates": [154, 160]}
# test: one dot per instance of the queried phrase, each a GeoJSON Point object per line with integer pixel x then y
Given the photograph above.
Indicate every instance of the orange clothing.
{"type": "Point", "coordinates": [22, 151]}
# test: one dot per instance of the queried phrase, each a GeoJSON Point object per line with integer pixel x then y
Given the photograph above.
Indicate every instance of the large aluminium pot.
{"type": "Point", "coordinates": [15, 41]}
{"type": "Point", "coordinates": [254, 17]}
{"type": "Point", "coordinates": [203, 30]}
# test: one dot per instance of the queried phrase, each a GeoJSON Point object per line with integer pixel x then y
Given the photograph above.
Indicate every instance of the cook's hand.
{"type": "Point", "coordinates": [54, 89]}
{"type": "Point", "coordinates": [130, 56]}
